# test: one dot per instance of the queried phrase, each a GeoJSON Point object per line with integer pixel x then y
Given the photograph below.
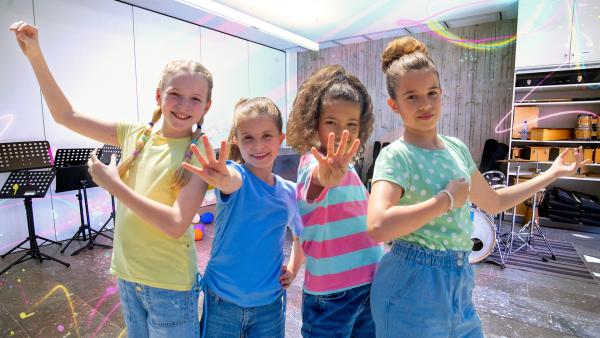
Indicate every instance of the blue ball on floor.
{"type": "Point", "coordinates": [207, 218]}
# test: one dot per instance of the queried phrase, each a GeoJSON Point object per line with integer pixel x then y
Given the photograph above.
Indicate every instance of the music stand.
{"type": "Point", "coordinates": [72, 174]}
{"type": "Point", "coordinates": [22, 183]}
{"type": "Point", "coordinates": [105, 157]}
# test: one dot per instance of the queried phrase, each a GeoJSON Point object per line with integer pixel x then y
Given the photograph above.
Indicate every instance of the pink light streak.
{"type": "Point", "coordinates": [566, 112]}
{"type": "Point", "coordinates": [105, 320]}
{"type": "Point", "coordinates": [111, 290]}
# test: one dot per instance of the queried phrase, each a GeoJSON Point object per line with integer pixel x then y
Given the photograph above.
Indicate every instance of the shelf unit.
{"type": "Point", "coordinates": [560, 103]}
{"type": "Point", "coordinates": [557, 114]}
{"type": "Point", "coordinates": [577, 86]}
{"type": "Point", "coordinates": [575, 178]}
{"type": "Point", "coordinates": [564, 103]}
{"type": "Point", "coordinates": [575, 142]}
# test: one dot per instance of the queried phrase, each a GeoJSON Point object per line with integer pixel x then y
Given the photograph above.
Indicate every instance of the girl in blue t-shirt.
{"type": "Point", "coordinates": [245, 277]}
{"type": "Point", "coordinates": [422, 183]}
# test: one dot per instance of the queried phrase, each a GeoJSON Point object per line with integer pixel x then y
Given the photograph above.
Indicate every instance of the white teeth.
{"type": "Point", "coordinates": [180, 116]}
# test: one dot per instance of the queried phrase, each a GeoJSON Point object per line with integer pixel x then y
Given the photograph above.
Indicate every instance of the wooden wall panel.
{"type": "Point", "coordinates": [476, 84]}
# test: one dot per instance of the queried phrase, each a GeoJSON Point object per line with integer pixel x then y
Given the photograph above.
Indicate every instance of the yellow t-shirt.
{"type": "Point", "coordinates": [141, 252]}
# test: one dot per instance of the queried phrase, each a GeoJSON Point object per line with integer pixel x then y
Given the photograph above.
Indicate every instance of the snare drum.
{"type": "Point", "coordinates": [483, 236]}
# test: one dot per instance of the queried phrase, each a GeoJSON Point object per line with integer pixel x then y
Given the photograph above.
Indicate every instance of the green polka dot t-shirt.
{"type": "Point", "coordinates": [422, 174]}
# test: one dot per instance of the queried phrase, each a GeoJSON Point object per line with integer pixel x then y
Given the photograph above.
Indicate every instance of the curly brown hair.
{"type": "Point", "coordinates": [403, 54]}
{"type": "Point", "coordinates": [328, 83]}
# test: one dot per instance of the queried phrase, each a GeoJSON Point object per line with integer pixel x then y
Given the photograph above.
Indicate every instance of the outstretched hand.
{"type": "Point", "coordinates": [106, 176]}
{"type": "Point", "coordinates": [334, 164]}
{"type": "Point", "coordinates": [213, 171]}
{"type": "Point", "coordinates": [27, 37]}
{"type": "Point", "coordinates": [561, 168]}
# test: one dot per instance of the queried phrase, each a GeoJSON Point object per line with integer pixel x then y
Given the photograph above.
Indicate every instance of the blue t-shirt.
{"type": "Point", "coordinates": [247, 251]}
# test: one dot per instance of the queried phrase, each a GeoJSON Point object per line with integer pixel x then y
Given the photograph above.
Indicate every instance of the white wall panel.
{"type": "Point", "coordinates": [20, 120]}
{"type": "Point", "coordinates": [158, 40]}
{"type": "Point", "coordinates": [89, 47]}
{"type": "Point", "coordinates": [226, 57]}
{"type": "Point", "coordinates": [267, 74]}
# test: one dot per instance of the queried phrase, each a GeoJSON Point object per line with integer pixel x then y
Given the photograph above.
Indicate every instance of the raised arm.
{"type": "Point", "coordinates": [215, 172]}
{"type": "Point", "coordinates": [60, 108]}
{"type": "Point", "coordinates": [332, 167]}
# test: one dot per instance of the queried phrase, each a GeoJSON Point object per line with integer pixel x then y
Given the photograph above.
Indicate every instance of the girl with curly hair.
{"type": "Point", "coordinates": [333, 115]}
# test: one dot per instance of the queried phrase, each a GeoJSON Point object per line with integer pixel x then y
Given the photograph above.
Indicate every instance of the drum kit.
{"type": "Point", "coordinates": [487, 236]}
{"type": "Point", "coordinates": [485, 232]}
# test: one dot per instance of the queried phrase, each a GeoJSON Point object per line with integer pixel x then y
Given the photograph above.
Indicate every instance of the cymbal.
{"type": "Point", "coordinates": [514, 160]}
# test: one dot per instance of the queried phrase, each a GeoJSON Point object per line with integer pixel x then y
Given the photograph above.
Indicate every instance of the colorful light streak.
{"type": "Point", "coordinates": [562, 113]}
{"type": "Point", "coordinates": [549, 116]}
{"type": "Point", "coordinates": [480, 44]}
{"type": "Point", "coordinates": [109, 292]}
{"type": "Point", "coordinates": [58, 288]}
{"type": "Point", "coordinates": [436, 29]}
{"type": "Point", "coordinates": [31, 311]}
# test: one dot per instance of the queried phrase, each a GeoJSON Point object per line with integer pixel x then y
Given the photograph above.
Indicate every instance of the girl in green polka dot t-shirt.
{"type": "Point", "coordinates": [422, 184]}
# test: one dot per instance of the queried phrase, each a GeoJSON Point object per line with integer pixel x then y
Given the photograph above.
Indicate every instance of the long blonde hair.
{"type": "Point", "coordinates": [181, 176]}
{"type": "Point", "coordinates": [245, 108]}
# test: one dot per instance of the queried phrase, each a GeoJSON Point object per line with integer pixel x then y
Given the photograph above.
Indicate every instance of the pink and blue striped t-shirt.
{"type": "Point", "coordinates": [339, 253]}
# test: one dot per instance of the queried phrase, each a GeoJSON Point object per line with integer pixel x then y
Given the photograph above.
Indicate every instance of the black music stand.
{"type": "Point", "coordinates": [105, 157]}
{"type": "Point", "coordinates": [27, 184]}
{"type": "Point", "coordinates": [72, 174]}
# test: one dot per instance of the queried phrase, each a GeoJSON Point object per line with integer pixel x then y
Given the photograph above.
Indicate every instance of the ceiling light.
{"type": "Point", "coordinates": [250, 21]}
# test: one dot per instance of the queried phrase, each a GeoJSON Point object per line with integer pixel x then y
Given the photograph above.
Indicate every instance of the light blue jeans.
{"type": "Point", "coordinates": [225, 319]}
{"type": "Point", "coordinates": [155, 312]}
{"type": "Point", "coordinates": [419, 292]}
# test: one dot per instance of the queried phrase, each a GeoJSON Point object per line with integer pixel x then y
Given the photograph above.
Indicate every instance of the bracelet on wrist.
{"type": "Point", "coordinates": [450, 198]}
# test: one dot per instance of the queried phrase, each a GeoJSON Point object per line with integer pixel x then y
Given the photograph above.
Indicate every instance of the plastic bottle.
{"type": "Point", "coordinates": [524, 131]}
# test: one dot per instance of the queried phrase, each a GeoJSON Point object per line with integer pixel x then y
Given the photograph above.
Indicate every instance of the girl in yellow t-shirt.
{"type": "Point", "coordinates": [154, 255]}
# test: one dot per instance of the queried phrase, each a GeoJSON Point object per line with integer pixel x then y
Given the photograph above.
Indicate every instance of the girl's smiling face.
{"type": "Point", "coordinates": [258, 139]}
{"type": "Point", "coordinates": [183, 102]}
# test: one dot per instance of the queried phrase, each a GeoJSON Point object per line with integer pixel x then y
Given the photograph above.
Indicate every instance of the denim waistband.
{"type": "Point", "coordinates": [424, 256]}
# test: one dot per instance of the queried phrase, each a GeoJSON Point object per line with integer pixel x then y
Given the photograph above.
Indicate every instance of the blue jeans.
{"type": "Point", "coordinates": [419, 292]}
{"type": "Point", "coordinates": [155, 312]}
{"type": "Point", "coordinates": [341, 314]}
{"type": "Point", "coordinates": [226, 319]}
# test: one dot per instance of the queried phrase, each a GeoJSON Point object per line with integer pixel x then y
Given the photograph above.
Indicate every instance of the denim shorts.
{"type": "Point", "coordinates": [341, 314]}
{"type": "Point", "coordinates": [155, 312]}
{"type": "Point", "coordinates": [418, 292]}
{"type": "Point", "coordinates": [225, 319]}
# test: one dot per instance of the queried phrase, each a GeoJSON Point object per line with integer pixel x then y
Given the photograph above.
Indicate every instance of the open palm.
{"type": "Point", "coordinates": [213, 171]}
{"type": "Point", "coordinates": [562, 168]}
{"type": "Point", "coordinates": [333, 166]}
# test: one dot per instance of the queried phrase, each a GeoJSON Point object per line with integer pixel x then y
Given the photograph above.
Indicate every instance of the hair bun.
{"type": "Point", "coordinates": [399, 47]}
